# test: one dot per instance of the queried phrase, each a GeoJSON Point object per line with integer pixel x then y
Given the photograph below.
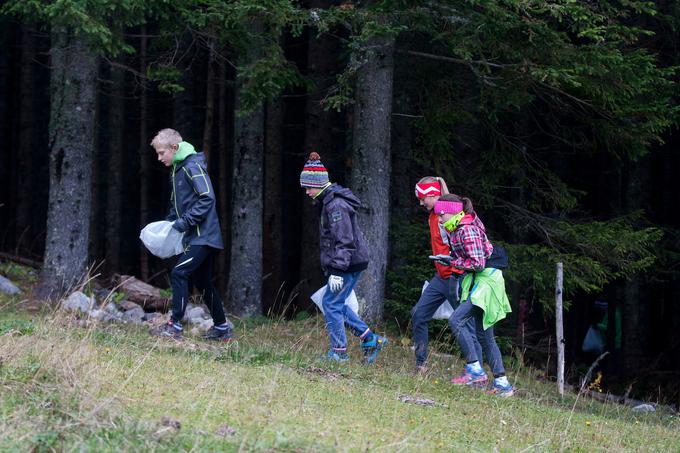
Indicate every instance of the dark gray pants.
{"type": "Point", "coordinates": [435, 294]}
{"type": "Point", "coordinates": [469, 342]}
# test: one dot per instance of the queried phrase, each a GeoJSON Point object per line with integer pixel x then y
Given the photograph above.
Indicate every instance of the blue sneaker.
{"type": "Point", "coordinates": [501, 387]}
{"type": "Point", "coordinates": [471, 376]}
{"type": "Point", "coordinates": [372, 347]}
{"type": "Point", "coordinates": [335, 356]}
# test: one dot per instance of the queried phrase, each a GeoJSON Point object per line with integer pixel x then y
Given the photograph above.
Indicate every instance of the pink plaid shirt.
{"type": "Point", "coordinates": [469, 245]}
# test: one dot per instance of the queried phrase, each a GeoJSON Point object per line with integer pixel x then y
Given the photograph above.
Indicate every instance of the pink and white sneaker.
{"type": "Point", "coordinates": [472, 375]}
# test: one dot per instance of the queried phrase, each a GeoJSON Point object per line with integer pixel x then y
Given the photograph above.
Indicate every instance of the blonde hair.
{"type": "Point", "coordinates": [442, 183]}
{"type": "Point", "coordinates": [166, 137]}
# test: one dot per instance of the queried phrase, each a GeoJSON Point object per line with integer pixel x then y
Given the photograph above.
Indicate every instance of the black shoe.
{"type": "Point", "coordinates": [167, 331]}
{"type": "Point", "coordinates": [224, 335]}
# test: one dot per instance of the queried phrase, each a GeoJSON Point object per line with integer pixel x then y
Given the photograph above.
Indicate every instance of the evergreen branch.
{"type": "Point", "coordinates": [454, 60]}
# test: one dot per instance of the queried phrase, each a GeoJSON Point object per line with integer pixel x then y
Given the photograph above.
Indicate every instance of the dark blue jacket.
{"type": "Point", "coordinates": [192, 203]}
{"type": "Point", "coordinates": [342, 246]}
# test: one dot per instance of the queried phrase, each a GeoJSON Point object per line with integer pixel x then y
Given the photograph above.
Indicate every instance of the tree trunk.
{"type": "Point", "coordinates": [635, 339]}
{"type": "Point", "coordinates": [5, 89]}
{"type": "Point", "coordinates": [184, 118]}
{"type": "Point", "coordinates": [24, 167]}
{"type": "Point", "coordinates": [73, 88]}
{"type": "Point", "coordinates": [245, 270]}
{"type": "Point", "coordinates": [224, 182]}
{"type": "Point", "coordinates": [97, 193]}
{"type": "Point", "coordinates": [371, 166]}
{"type": "Point", "coordinates": [273, 202]}
{"type": "Point", "coordinates": [403, 204]}
{"type": "Point", "coordinates": [114, 194]}
{"type": "Point", "coordinates": [209, 104]}
{"type": "Point", "coordinates": [321, 69]}
{"type": "Point", "coordinates": [145, 155]}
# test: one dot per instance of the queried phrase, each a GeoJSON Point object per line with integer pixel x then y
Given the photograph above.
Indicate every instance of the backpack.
{"type": "Point", "coordinates": [498, 258]}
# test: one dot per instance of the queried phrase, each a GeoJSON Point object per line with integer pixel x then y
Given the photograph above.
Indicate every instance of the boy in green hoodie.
{"type": "Point", "coordinates": [193, 213]}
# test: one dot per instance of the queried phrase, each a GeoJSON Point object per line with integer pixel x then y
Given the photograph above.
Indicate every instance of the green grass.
{"type": "Point", "coordinates": [68, 386]}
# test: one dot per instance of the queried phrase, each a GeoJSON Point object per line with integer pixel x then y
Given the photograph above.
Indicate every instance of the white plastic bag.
{"type": "Point", "coordinates": [444, 311]}
{"type": "Point", "coordinates": [351, 301]}
{"type": "Point", "coordinates": [162, 239]}
{"type": "Point", "coordinates": [593, 342]}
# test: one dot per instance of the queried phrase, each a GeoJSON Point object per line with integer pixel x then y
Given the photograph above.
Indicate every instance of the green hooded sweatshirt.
{"type": "Point", "coordinates": [185, 150]}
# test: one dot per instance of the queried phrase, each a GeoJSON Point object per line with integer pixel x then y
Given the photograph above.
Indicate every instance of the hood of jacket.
{"type": "Point", "coordinates": [184, 150]}
{"type": "Point", "coordinates": [337, 191]}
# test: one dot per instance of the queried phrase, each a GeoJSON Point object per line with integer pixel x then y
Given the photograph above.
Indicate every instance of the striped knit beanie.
{"type": "Point", "coordinates": [314, 174]}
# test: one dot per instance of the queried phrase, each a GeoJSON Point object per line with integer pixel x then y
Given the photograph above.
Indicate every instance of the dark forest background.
{"type": "Point", "coordinates": [558, 119]}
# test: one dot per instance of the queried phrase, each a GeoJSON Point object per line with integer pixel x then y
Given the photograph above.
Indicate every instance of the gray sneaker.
{"type": "Point", "coordinates": [223, 335]}
{"type": "Point", "coordinates": [167, 331]}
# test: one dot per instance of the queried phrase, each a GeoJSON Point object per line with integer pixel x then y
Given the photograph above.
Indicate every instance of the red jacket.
{"type": "Point", "coordinates": [440, 246]}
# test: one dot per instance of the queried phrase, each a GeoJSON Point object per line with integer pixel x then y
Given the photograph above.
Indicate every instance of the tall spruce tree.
{"type": "Point", "coordinates": [371, 164]}
{"type": "Point", "coordinates": [80, 32]}
{"type": "Point", "coordinates": [73, 86]}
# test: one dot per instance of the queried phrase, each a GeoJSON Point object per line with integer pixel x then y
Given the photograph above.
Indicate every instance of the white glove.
{"type": "Point", "coordinates": [335, 283]}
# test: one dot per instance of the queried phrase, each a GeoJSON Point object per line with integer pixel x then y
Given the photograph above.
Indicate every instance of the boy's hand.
{"type": "Point", "coordinates": [180, 225]}
{"type": "Point", "coordinates": [444, 260]}
{"type": "Point", "coordinates": [335, 283]}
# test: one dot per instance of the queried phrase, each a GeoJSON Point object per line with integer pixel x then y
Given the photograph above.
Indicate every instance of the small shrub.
{"type": "Point", "coordinates": [16, 326]}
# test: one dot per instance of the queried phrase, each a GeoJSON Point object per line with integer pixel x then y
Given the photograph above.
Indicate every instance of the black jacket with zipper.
{"type": "Point", "coordinates": [192, 203]}
{"type": "Point", "coordinates": [342, 245]}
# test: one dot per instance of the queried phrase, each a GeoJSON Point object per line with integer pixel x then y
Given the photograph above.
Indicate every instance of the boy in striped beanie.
{"type": "Point", "coordinates": [344, 255]}
{"type": "Point", "coordinates": [314, 174]}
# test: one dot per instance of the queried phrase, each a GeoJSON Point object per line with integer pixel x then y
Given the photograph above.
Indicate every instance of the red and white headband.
{"type": "Point", "coordinates": [428, 189]}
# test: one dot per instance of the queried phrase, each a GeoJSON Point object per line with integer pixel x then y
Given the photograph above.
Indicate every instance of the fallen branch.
{"type": "Point", "coordinates": [21, 260]}
{"type": "Point", "coordinates": [148, 296]}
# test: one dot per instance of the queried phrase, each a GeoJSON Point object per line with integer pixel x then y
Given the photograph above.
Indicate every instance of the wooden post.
{"type": "Point", "coordinates": [559, 330]}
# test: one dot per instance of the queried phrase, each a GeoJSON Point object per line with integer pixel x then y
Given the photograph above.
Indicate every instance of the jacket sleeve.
{"type": "Point", "coordinates": [200, 183]}
{"type": "Point", "coordinates": [172, 215]}
{"type": "Point", "coordinates": [473, 245]}
{"type": "Point", "coordinates": [339, 219]}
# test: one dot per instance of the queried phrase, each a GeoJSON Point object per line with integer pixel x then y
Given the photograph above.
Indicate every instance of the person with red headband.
{"type": "Point", "coordinates": [444, 284]}
{"type": "Point", "coordinates": [483, 297]}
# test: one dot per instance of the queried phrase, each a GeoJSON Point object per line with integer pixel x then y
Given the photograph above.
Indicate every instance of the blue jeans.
{"type": "Point", "coordinates": [459, 323]}
{"type": "Point", "coordinates": [338, 314]}
{"type": "Point", "coordinates": [435, 294]}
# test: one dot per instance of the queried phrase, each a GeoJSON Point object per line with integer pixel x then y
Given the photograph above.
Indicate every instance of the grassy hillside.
{"type": "Point", "coordinates": [70, 385]}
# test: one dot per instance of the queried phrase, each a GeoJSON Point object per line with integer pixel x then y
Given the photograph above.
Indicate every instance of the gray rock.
{"type": "Point", "coordinates": [150, 316]}
{"type": "Point", "coordinates": [7, 287]}
{"type": "Point", "coordinates": [202, 324]}
{"type": "Point", "coordinates": [113, 310]}
{"type": "Point", "coordinates": [205, 325]}
{"type": "Point", "coordinates": [96, 313]}
{"type": "Point", "coordinates": [128, 305]}
{"type": "Point", "coordinates": [78, 301]}
{"type": "Point", "coordinates": [644, 408]}
{"type": "Point", "coordinates": [103, 316]}
{"type": "Point", "coordinates": [196, 313]}
{"type": "Point", "coordinates": [134, 316]}
{"type": "Point", "coordinates": [101, 294]}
